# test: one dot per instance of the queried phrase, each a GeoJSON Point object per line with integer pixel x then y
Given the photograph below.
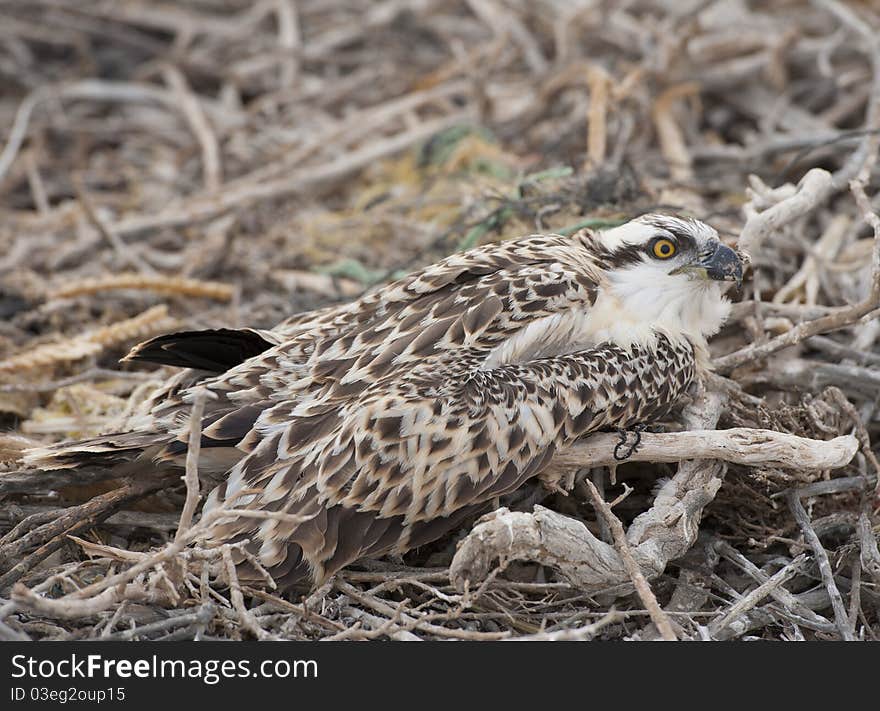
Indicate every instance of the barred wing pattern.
{"type": "Point", "coordinates": [469, 301]}
{"type": "Point", "coordinates": [480, 298]}
{"type": "Point", "coordinates": [411, 457]}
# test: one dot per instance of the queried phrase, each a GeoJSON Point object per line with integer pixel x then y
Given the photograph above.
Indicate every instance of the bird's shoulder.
{"type": "Point", "coordinates": [471, 299]}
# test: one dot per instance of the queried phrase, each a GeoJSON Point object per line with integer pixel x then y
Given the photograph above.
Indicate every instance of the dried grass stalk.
{"type": "Point", "coordinates": [160, 284]}
{"type": "Point", "coordinates": [153, 320]}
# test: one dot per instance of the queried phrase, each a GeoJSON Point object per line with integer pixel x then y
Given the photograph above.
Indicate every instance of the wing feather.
{"type": "Point", "coordinates": [474, 300]}
{"type": "Point", "coordinates": [493, 430]}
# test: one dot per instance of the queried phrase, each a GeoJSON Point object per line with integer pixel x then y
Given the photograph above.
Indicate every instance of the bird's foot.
{"type": "Point", "coordinates": [623, 450]}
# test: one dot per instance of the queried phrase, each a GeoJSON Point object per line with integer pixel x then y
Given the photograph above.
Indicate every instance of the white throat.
{"type": "Point", "coordinates": [630, 310]}
{"type": "Point", "coordinates": [674, 305]}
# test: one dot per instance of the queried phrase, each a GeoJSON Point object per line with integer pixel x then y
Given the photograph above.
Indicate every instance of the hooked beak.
{"type": "Point", "coordinates": [724, 264]}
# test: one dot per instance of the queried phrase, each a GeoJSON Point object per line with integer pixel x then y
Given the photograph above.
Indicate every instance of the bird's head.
{"type": "Point", "coordinates": [669, 273]}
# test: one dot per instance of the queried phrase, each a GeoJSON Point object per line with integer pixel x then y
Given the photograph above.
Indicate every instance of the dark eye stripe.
{"type": "Point", "coordinates": [632, 254]}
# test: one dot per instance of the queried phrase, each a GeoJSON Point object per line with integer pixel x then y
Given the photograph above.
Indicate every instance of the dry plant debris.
{"type": "Point", "coordinates": [220, 162]}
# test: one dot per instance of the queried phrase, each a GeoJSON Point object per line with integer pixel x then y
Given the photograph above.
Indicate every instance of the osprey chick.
{"type": "Point", "coordinates": [383, 423]}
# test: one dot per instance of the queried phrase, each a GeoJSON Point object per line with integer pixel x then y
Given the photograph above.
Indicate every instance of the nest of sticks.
{"type": "Point", "coordinates": [221, 162]}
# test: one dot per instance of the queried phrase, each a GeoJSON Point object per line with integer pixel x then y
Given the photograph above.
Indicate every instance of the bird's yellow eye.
{"type": "Point", "coordinates": [663, 248]}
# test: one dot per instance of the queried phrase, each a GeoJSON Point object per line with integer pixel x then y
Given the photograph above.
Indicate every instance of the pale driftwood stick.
{"type": "Point", "coordinates": [67, 608]}
{"type": "Point", "coordinates": [245, 617]}
{"type": "Point", "coordinates": [823, 487]}
{"type": "Point", "coordinates": [860, 432]}
{"type": "Point", "coordinates": [407, 620]}
{"type": "Point", "coordinates": [542, 536]}
{"type": "Point", "coordinates": [659, 618]}
{"type": "Point", "coordinates": [739, 445]}
{"type": "Point", "coordinates": [768, 209]}
{"type": "Point", "coordinates": [855, 595]}
{"type": "Point", "coordinates": [36, 184]}
{"type": "Point", "coordinates": [801, 374]}
{"type": "Point", "coordinates": [742, 310]}
{"type": "Point", "coordinates": [49, 535]}
{"type": "Point", "coordinates": [807, 277]}
{"type": "Point", "coordinates": [192, 110]}
{"type": "Point", "coordinates": [840, 615]}
{"type": "Point", "coordinates": [870, 554]}
{"type": "Point", "coordinates": [126, 253]}
{"type": "Point", "coordinates": [289, 39]}
{"type": "Point", "coordinates": [201, 617]}
{"type": "Point", "coordinates": [597, 125]}
{"type": "Point", "coordinates": [585, 632]}
{"type": "Point", "coordinates": [796, 610]}
{"type": "Point", "coordinates": [839, 318]}
{"type": "Point", "coordinates": [191, 477]}
{"type": "Point", "coordinates": [122, 580]}
{"type": "Point", "coordinates": [673, 145]}
{"type": "Point", "coordinates": [747, 602]}
{"type": "Point", "coordinates": [378, 627]}
{"type": "Point", "coordinates": [19, 128]}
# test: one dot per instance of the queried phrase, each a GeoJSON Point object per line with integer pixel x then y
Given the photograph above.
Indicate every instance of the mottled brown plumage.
{"type": "Point", "coordinates": [385, 422]}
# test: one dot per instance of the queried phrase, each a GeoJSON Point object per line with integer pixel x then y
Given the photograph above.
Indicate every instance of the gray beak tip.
{"type": "Point", "coordinates": [725, 264]}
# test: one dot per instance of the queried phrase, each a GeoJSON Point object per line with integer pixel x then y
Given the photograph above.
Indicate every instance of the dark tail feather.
{"type": "Point", "coordinates": [214, 350]}
{"type": "Point", "coordinates": [105, 451]}
{"type": "Point", "coordinates": [86, 462]}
